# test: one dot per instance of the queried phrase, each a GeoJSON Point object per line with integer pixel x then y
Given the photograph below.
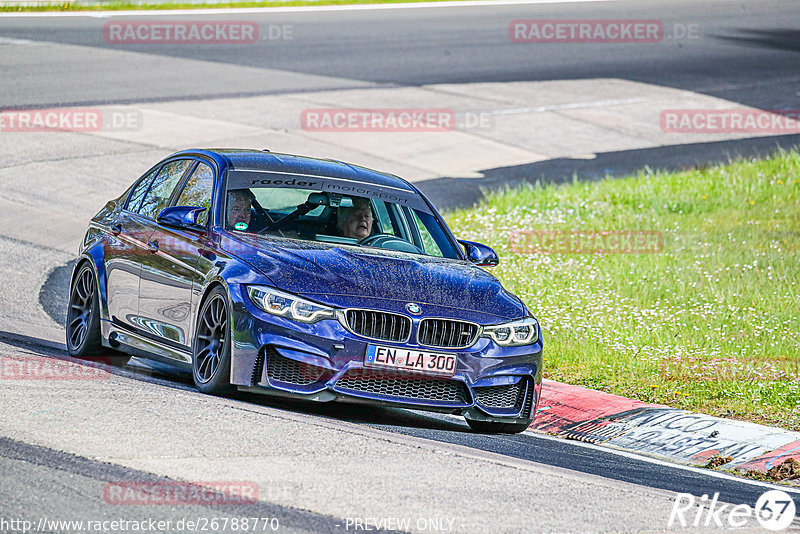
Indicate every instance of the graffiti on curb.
{"type": "Point", "coordinates": [678, 434]}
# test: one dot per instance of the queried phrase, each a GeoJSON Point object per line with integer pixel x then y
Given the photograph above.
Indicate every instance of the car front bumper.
{"type": "Point", "coordinates": [324, 361]}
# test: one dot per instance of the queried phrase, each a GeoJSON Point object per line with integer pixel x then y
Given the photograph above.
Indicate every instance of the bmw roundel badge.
{"type": "Point", "coordinates": [413, 309]}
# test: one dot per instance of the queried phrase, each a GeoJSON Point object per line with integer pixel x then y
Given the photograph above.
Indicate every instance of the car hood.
{"type": "Point", "coordinates": [350, 276]}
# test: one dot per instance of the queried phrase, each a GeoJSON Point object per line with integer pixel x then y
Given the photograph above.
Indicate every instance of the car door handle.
{"type": "Point", "coordinates": [115, 230]}
{"type": "Point", "coordinates": [152, 246]}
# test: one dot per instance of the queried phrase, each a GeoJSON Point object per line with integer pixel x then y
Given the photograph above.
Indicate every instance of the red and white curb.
{"type": "Point", "coordinates": [575, 412]}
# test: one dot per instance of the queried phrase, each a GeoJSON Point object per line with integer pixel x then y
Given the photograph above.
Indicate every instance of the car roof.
{"type": "Point", "coordinates": [263, 160]}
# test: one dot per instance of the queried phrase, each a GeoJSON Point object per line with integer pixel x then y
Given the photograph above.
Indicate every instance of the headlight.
{"type": "Point", "coordinates": [287, 305]}
{"type": "Point", "coordinates": [515, 333]}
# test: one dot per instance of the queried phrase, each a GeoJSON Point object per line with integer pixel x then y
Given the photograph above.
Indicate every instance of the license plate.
{"type": "Point", "coordinates": [435, 363]}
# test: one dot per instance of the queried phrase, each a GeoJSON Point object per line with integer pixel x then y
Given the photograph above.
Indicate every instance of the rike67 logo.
{"type": "Point", "coordinates": [774, 510]}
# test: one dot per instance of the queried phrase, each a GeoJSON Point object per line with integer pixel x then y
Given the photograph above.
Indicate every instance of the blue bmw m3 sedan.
{"type": "Point", "coordinates": [307, 278]}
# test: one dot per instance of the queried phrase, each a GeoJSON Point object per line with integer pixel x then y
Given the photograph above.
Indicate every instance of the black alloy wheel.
{"type": "Point", "coordinates": [83, 321]}
{"type": "Point", "coordinates": [211, 361]}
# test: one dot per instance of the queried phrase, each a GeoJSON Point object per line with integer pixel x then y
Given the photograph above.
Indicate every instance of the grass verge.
{"type": "Point", "coordinates": [711, 323]}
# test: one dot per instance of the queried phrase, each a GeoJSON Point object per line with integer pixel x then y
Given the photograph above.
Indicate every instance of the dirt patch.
{"type": "Point", "coordinates": [788, 470]}
{"type": "Point", "coordinates": [716, 461]}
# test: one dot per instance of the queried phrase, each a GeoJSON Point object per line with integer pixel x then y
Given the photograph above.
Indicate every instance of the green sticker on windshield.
{"type": "Point", "coordinates": [240, 226]}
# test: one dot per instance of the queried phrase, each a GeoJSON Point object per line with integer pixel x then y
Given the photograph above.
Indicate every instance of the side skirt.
{"type": "Point", "coordinates": [143, 347]}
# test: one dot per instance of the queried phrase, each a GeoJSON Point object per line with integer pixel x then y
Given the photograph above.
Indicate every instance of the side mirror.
{"type": "Point", "coordinates": [480, 254]}
{"type": "Point", "coordinates": [183, 217]}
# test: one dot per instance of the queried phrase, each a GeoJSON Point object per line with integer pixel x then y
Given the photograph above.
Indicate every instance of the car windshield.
{"type": "Point", "coordinates": [336, 211]}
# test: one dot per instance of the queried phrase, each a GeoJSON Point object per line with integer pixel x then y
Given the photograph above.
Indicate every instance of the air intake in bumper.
{"type": "Point", "coordinates": [288, 371]}
{"type": "Point", "coordinates": [508, 397]}
{"type": "Point", "coordinates": [403, 386]}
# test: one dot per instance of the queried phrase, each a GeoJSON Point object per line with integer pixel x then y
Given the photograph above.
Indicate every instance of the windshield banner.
{"type": "Point", "coordinates": [241, 179]}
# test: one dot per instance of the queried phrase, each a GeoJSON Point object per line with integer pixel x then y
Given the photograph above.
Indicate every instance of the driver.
{"type": "Point", "coordinates": [239, 215]}
{"type": "Point", "coordinates": [355, 222]}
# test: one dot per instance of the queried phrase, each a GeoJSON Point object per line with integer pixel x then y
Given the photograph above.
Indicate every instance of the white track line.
{"type": "Point", "coordinates": [18, 42]}
{"type": "Point", "coordinates": [290, 9]}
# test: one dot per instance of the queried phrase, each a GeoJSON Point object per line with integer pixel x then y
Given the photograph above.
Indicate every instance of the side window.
{"type": "Point", "coordinates": [139, 191]}
{"type": "Point", "coordinates": [384, 220]}
{"type": "Point", "coordinates": [198, 191]}
{"type": "Point", "coordinates": [158, 197]}
{"type": "Point", "coordinates": [428, 242]}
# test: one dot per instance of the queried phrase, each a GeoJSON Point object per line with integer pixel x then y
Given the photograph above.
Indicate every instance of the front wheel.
{"type": "Point", "coordinates": [211, 361]}
{"type": "Point", "coordinates": [83, 321]}
{"type": "Point", "coordinates": [493, 427]}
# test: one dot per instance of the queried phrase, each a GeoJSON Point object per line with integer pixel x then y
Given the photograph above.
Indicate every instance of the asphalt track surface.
{"type": "Point", "coordinates": [64, 481]}
{"type": "Point", "coordinates": [755, 42]}
{"type": "Point", "coordinates": [584, 458]}
{"type": "Point", "coordinates": [746, 52]}
{"type": "Point", "coordinates": [450, 429]}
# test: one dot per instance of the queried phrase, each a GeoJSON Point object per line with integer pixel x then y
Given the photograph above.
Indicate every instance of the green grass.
{"type": "Point", "coordinates": [711, 323]}
{"type": "Point", "coordinates": [124, 6]}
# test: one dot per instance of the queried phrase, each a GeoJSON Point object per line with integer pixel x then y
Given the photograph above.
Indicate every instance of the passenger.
{"type": "Point", "coordinates": [355, 222]}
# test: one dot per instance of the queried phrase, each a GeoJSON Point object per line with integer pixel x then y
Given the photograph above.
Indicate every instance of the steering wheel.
{"type": "Point", "coordinates": [390, 242]}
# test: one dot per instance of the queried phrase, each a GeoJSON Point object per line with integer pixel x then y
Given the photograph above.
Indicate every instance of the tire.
{"type": "Point", "coordinates": [211, 348]}
{"type": "Point", "coordinates": [493, 427]}
{"type": "Point", "coordinates": [82, 328]}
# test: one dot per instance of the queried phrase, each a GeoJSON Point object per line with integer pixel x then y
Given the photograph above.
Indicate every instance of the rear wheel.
{"type": "Point", "coordinates": [211, 361]}
{"type": "Point", "coordinates": [493, 427]}
{"type": "Point", "coordinates": [83, 321]}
